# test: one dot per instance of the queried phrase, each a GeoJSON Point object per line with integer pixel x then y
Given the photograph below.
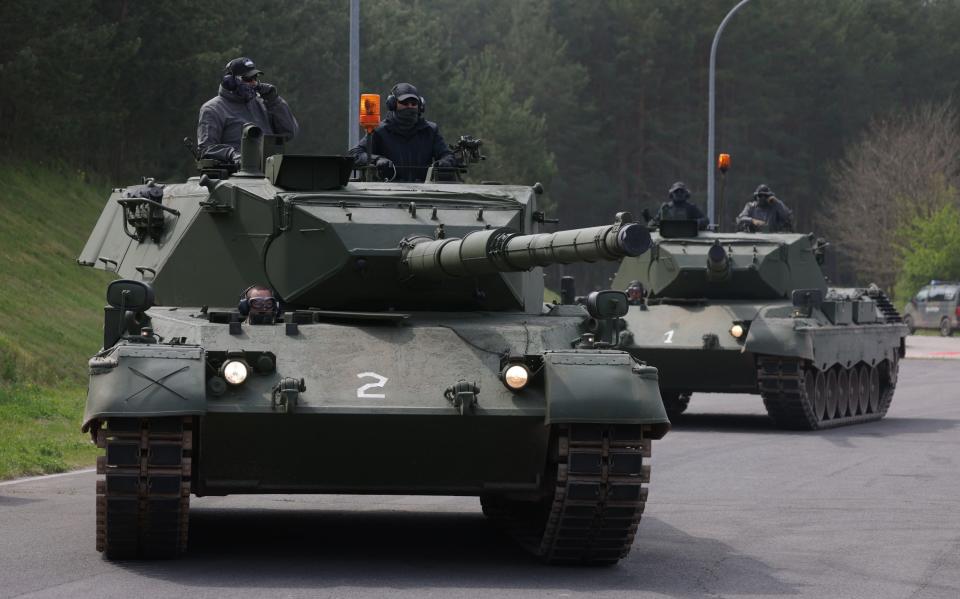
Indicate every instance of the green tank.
{"type": "Point", "coordinates": [752, 313]}
{"type": "Point", "coordinates": [412, 353]}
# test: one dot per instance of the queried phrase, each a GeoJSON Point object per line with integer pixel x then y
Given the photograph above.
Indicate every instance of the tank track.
{"type": "Point", "coordinates": [597, 474]}
{"type": "Point", "coordinates": [143, 497]}
{"type": "Point", "coordinates": [789, 388]}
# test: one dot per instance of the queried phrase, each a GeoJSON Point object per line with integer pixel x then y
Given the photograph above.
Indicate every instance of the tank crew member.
{"type": "Point", "coordinates": [242, 99]}
{"type": "Point", "coordinates": [405, 144]}
{"type": "Point", "coordinates": [679, 207]}
{"type": "Point", "coordinates": [635, 293]}
{"type": "Point", "coordinates": [259, 305]}
{"type": "Point", "coordinates": [766, 213]}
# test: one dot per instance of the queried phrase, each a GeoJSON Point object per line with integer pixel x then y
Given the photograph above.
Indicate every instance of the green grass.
{"type": "Point", "coordinates": [40, 431]}
{"type": "Point", "coordinates": [53, 316]}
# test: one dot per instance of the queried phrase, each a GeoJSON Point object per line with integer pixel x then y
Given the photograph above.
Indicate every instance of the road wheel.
{"type": "Point", "coordinates": [863, 387]}
{"type": "Point", "coordinates": [675, 403]}
{"type": "Point", "coordinates": [830, 394]}
{"type": "Point", "coordinates": [945, 329]}
{"type": "Point", "coordinates": [853, 390]}
{"type": "Point", "coordinates": [843, 392]}
{"type": "Point", "coordinates": [908, 320]}
{"type": "Point", "coordinates": [819, 396]}
{"type": "Point", "coordinates": [873, 378]}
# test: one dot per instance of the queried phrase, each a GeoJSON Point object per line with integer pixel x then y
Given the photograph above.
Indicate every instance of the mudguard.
{"type": "Point", "coordinates": [604, 387]}
{"type": "Point", "coordinates": [146, 380]}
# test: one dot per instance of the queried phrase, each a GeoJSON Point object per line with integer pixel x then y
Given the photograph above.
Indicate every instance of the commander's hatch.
{"type": "Point", "coordinates": [308, 173]}
{"type": "Point", "coordinates": [670, 229]}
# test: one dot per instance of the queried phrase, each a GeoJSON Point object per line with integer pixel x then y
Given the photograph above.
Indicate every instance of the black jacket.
{"type": "Point", "coordinates": [223, 117]}
{"type": "Point", "coordinates": [411, 154]}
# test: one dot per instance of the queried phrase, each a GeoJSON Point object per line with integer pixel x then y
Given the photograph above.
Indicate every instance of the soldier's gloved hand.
{"type": "Point", "coordinates": [267, 91]}
{"type": "Point", "coordinates": [235, 158]}
{"type": "Point", "coordinates": [385, 168]}
{"type": "Point", "coordinates": [447, 161]}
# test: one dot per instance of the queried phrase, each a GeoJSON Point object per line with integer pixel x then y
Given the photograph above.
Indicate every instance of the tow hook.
{"type": "Point", "coordinates": [463, 396]}
{"type": "Point", "coordinates": [286, 393]}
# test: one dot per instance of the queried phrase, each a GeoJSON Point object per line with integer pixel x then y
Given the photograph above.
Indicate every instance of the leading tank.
{"type": "Point", "coordinates": [413, 355]}
{"type": "Point", "coordinates": [752, 313]}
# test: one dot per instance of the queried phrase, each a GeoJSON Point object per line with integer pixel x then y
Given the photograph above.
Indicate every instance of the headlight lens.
{"type": "Point", "coordinates": [516, 376]}
{"type": "Point", "coordinates": [235, 372]}
{"type": "Point", "coordinates": [737, 331]}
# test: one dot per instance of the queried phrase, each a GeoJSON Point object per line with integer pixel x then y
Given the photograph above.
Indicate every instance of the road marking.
{"type": "Point", "coordinates": [45, 477]}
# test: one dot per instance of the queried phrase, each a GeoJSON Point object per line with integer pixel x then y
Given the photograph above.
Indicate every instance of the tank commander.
{"type": "Point", "coordinates": [679, 207]}
{"type": "Point", "coordinates": [242, 99]}
{"type": "Point", "coordinates": [404, 144]}
{"type": "Point", "coordinates": [258, 305]}
{"type": "Point", "coordinates": [765, 213]}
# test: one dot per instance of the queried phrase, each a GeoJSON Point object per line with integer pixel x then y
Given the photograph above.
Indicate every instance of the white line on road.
{"type": "Point", "coordinates": [45, 477]}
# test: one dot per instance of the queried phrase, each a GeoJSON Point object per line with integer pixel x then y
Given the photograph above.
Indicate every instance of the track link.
{"type": "Point", "coordinates": [597, 474]}
{"type": "Point", "coordinates": [143, 497]}
{"type": "Point", "coordinates": [790, 389]}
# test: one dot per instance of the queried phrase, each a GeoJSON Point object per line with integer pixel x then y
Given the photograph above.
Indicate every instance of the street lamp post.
{"type": "Point", "coordinates": [711, 132]}
{"type": "Point", "coordinates": [353, 101]}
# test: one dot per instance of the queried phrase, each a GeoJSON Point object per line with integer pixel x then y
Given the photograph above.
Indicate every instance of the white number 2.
{"type": "Point", "coordinates": [381, 381]}
{"type": "Point", "coordinates": [668, 336]}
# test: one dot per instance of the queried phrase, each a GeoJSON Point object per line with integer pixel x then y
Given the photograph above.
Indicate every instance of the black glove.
{"type": "Point", "coordinates": [385, 168]}
{"type": "Point", "coordinates": [361, 160]}
{"type": "Point", "coordinates": [267, 92]}
{"type": "Point", "coordinates": [447, 161]}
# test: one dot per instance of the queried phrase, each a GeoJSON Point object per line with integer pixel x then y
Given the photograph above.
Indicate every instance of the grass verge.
{"type": "Point", "coordinates": [55, 321]}
{"type": "Point", "coordinates": [40, 431]}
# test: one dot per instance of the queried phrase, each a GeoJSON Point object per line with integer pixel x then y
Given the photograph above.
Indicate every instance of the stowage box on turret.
{"type": "Point", "coordinates": [752, 313]}
{"type": "Point", "coordinates": [412, 353]}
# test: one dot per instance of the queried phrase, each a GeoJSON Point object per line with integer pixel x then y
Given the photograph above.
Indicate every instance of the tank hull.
{"type": "Point", "coordinates": [694, 350]}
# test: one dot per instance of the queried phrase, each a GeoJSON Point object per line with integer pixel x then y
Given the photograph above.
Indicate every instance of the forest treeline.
{"type": "Point", "coordinates": [605, 102]}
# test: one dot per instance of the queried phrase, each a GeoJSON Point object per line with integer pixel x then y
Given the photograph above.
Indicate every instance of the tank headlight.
{"type": "Point", "coordinates": [515, 376]}
{"type": "Point", "coordinates": [737, 331]}
{"type": "Point", "coordinates": [235, 372]}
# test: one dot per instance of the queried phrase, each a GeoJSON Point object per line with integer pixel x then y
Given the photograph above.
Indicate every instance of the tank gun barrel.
{"type": "Point", "coordinates": [503, 250]}
{"type": "Point", "coordinates": [718, 263]}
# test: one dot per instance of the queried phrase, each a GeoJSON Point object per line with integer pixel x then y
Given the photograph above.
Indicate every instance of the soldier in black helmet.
{"type": "Point", "coordinates": [405, 144]}
{"type": "Point", "coordinates": [765, 213]}
{"type": "Point", "coordinates": [679, 207]}
{"type": "Point", "coordinates": [242, 99]}
{"type": "Point", "coordinates": [635, 293]}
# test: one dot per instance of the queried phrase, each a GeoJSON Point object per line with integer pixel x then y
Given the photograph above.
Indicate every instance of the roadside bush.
{"type": "Point", "coordinates": [931, 249]}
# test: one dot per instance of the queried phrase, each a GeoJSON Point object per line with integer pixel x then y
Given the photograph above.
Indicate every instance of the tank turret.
{"type": "Point", "coordinates": [684, 263]}
{"type": "Point", "coordinates": [321, 241]}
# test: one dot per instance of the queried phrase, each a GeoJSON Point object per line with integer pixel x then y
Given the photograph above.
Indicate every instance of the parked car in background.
{"type": "Point", "coordinates": [934, 307]}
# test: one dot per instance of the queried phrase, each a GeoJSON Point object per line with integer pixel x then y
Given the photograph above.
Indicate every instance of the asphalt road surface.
{"type": "Point", "coordinates": [737, 509]}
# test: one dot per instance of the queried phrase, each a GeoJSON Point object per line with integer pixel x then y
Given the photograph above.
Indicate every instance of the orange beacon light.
{"type": "Point", "coordinates": [369, 111]}
{"type": "Point", "coordinates": [723, 162]}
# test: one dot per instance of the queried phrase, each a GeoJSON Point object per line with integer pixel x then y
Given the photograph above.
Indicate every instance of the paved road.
{"type": "Point", "coordinates": [737, 509]}
{"type": "Point", "coordinates": [937, 348]}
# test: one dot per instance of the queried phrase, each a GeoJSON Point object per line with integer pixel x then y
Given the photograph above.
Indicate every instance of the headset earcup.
{"type": "Point", "coordinates": [392, 103]}
{"type": "Point", "coordinates": [423, 104]}
{"type": "Point", "coordinates": [244, 307]}
{"type": "Point", "coordinates": [229, 83]}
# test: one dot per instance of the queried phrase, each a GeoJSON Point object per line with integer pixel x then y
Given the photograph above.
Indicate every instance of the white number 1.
{"type": "Point", "coordinates": [668, 336]}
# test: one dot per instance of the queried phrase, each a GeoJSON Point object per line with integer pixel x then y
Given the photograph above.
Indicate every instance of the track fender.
{"type": "Point", "coordinates": [778, 337]}
{"type": "Point", "coordinates": [146, 380]}
{"type": "Point", "coordinates": [602, 387]}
